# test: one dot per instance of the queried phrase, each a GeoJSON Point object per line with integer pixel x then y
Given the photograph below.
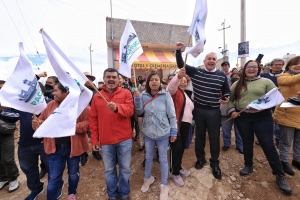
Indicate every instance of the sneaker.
{"type": "Point", "coordinates": [60, 190]}
{"type": "Point", "coordinates": [184, 172]}
{"type": "Point", "coordinates": [3, 183]}
{"type": "Point", "coordinates": [164, 192]}
{"type": "Point", "coordinates": [246, 170]}
{"type": "Point", "coordinates": [282, 184]}
{"type": "Point", "coordinates": [147, 183]}
{"type": "Point", "coordinates": [13, 185]}
{"type": "Point", "coordinates": [71, 197]}
{"type": "Point", "coordinates": [97, 155]}
{"type": "Point", "coordinates": [177, 180]}
{"type": "Point", "coordinates": [34, 194]}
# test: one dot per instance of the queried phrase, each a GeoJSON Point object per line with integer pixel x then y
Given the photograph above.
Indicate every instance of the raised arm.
{"type": "Point", "coordinates": [189, 69]}
{"type": "Point", "coordinates": [173, 85]}
{"type": "Point", "coordinates": [138, 103]}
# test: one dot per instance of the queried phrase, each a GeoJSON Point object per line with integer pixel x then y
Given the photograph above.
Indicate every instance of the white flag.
{"type": "Point", "coordinates": [62, 122]}
{"type": "Point", "coordinates": [130, 49]}
{"type": "Point", "coordinates": [68, 66]}
{"type": "Point", "coordinates": [269, 100]}
{"type": "Point", "coordinates": [197, 28]}
{"type": "Point", "coordinates": [22, 91]}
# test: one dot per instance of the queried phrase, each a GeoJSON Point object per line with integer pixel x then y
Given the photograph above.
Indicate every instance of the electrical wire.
{"type": "Point", "coordinates": [18, 32]}
{"type": "Point", "coordinates": [29, 33]}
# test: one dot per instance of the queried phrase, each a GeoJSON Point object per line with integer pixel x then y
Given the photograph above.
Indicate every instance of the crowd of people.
{"type": "Point", "coordinates": [162, 114]}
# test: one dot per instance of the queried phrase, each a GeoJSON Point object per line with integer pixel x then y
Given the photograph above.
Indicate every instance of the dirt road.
{"type": "Point", "coordinates": [201, 185]}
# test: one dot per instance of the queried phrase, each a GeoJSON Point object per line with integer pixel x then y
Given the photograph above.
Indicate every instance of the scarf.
{"type": "Point", "coordinates": [292, 72]}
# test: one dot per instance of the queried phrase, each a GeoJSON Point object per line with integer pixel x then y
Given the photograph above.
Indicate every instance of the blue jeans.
{"type": "Point", "coordinates": [29, 159]}
{"type": "Point", "coordinates": [117, 186]}
{"type": "Point", "coordinates": [57, 164]}
{"type": "Point", "coordinates": [226, 133]}
{"type": "Point", "coordinates": [162, 144]}
{"type": "Point", "coordinates": [277, 132]}
{"type": "Point", "coordinates": [262, 127]}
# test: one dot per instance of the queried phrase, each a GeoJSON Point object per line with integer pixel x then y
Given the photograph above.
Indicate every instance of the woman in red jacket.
{"type": "Point", "coordinates": [64, 149]}
{"type": "Point", "coordinates": [183, 108]}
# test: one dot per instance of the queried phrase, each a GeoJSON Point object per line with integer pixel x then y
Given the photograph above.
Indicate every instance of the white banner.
{"type": "Point", "coordinates": [21, 90]}
{"type": "Point", "coordinates": [197, 28]}
{"type": "Point", "coordinates": [269, 100]}
{"type": "Point", "coordinates": [69, 67]}
{"type": "Point", "coordinates": [130, 49]}
{"type": "Point", "coordinates": [62, 122]}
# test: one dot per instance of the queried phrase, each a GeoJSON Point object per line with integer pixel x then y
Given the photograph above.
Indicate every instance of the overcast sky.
{"type": "Point", "coordinates": [272, 28]}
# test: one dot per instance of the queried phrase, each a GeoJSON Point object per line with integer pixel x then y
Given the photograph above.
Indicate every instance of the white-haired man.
{"type": "Point", "coordinates": [209, 83]}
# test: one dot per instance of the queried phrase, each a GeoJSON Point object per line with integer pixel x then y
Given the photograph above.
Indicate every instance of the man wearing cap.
{"type": "Point", "coordinates": [96, 154]}
{"type": "Point", "coordinates": [208, 84]}
{"type": "Point", "coordinates": [225, 68]}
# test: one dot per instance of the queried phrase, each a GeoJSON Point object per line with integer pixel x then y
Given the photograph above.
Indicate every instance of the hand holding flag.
{"type": "Point", "coordinates": [269, 100]}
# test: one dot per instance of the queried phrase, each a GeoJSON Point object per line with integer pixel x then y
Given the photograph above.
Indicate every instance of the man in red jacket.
{"type": "Point", "coordinates": [110, 126]}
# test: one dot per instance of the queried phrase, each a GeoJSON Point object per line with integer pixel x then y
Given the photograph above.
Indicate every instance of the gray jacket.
{"type": "Point", "coordinates": [159, 114]}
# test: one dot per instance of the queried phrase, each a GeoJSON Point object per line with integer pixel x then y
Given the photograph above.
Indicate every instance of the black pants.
{"type": "Point", "coordinates": [262, 127]}
{"type": "Point", "coordinates": [177, 148]}
{"type": "Point", "coordinates": [210, 119]}
{"type": "Point", "coordinates": [8, 168]}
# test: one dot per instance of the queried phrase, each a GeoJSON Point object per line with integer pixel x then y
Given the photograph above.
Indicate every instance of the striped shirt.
{"type": "Point", "coordinates": [208, 86]}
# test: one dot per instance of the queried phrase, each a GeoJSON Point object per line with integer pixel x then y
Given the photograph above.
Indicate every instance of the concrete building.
{"type": "Point", "coordinates": [158, 42]}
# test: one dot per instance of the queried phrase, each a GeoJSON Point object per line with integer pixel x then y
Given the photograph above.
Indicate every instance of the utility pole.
{"type": "Point", "coordinates": [224, 52]}
{"type": "Point", "coordinates": [112, 36]}
{"type": "Point", "coordinates": [90, 48]}
{"type": "Point", "coordinates": [243, 27]}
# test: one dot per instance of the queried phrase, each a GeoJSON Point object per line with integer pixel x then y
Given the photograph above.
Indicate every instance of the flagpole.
{"type": "Point", "coordinates": [134, 77]}
{"type": "Point", "coordinates": [186, 55]}
{"type": "Point", "coordinates": [231, 117]}
{"type": "Point", "coordinates": [91, 84]}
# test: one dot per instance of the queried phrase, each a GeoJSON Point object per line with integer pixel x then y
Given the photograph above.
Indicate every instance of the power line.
{"type": "Point", "coordinates": [18, 31]}
{"type": "Point", "coordinates": [29, 32]}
